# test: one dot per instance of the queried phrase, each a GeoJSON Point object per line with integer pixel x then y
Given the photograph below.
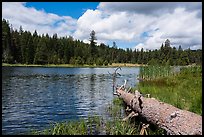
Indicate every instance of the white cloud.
{"type": "Point", "coordinates": [116, 26]}
{"type": "Point", "coordinates": [147, 24]}
{"type": "Point", "coordinates": [182, 26]}
{"type": "Point", "coordinates": [149, 8]}
{"type": "Point", "coordinates": [31, 19]}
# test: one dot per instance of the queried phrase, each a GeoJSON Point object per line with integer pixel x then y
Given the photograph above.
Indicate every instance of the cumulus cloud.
{"type": "Point", "coordinates": [144, 25]}
{"type": "Point", "coordinates": [31, 19]}
{"type": "Point", "coordinates": [181, 28]}
{"type": "Point", "coordinates": [149, 24]}
{"type": "Point", "coordinates": [116, 26]}
{"type": "Point", "coordinates": [149, 8]}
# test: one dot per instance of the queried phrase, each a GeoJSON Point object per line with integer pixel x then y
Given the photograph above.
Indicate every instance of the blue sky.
{"type": "Point", "coordinates": [73, 9]}
{"type": "Point", "coordinates": [133, 25]}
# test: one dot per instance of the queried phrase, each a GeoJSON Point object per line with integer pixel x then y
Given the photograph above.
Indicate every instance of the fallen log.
{"type": "Point", "coordinates": [175, 121]}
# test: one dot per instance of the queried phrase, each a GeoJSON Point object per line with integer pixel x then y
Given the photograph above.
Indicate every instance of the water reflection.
{"type": "Point", "coordinates": [32, 98]}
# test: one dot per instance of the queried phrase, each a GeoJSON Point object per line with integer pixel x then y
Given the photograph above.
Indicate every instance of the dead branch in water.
{"type": "Point", "coordinates": [114, 75]}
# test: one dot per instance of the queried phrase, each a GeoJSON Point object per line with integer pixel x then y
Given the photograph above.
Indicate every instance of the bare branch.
{"type": "Point", "coordinates": [129, 90]}
{"type": "Point", "coordinates": [117, 68]}
{"type": "Point", "coordinates": [131, 115]}
{"type": "Point", "coordinates": [114, 77]}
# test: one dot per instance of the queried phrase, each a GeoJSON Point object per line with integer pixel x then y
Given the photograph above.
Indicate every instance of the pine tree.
{"type": "Point", "coordinates": [92, 43]}
{"type": "Point", "coordinates": [41, 56]}
{"type": "Point", "coordinates": [6, 43]}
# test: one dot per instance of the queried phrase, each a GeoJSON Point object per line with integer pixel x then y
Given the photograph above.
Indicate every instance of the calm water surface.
{"type": "Point", "coordinates": [35, 97]}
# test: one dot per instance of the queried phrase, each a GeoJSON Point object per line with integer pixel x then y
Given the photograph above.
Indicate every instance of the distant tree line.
{"type": "Point", "coordinates": [19, 46]}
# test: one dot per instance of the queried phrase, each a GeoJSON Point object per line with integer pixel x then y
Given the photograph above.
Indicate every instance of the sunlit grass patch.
{"type": "Point", "coordinates": [183, 90]}
{"type": "Point", "coordinates": [80, 127]}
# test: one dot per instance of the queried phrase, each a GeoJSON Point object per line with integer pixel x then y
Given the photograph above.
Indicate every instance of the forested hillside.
{"type": "Point", "coordinates": [21, 46]}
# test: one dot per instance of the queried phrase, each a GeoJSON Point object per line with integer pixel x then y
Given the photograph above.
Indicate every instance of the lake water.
{"type": "Point", "coordinates": [34, 97]}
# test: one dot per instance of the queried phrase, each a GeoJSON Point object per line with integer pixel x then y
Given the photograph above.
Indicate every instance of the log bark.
{"type": "Point", "coordinates": [175, 121]}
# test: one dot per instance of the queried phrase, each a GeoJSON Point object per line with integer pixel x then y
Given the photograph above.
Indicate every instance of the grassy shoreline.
{"type": "Point", "coordinates": [182, 90]}
{"type": "Point", "coordinates": [72, 66]}
{"type": "Point", "coordinates": [96, 125]}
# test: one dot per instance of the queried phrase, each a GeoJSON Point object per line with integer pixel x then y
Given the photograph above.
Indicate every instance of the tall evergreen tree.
{"type": "Point", "coordinates": [41, 56]}
{"type": "Point", "coordinates": [93, 43]}
{"type": "Point", "coordinates": [6, 43]}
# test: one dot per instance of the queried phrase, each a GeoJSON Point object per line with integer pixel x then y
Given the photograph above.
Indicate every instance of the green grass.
{"type": "Point", "coordinates": [154, 72]}
{"type": "Point", "coordinates": [80, 127]}
{"type": "Point", "coordinates": [116, 126]}
{"type": "Point", "coordinates": [47, 65]}
{"type": "Point", "coordinates": [116, 108]}
{"type": "Point", "coordinates": [72, 65]}
{"type": "Point", "coordinates": [119, 127]}
{"type": "Point", "coordinates": [183, 90]}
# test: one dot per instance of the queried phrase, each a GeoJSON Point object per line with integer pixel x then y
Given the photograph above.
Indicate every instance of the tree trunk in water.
{"type": "Point", "coordinates": [175, 121]}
